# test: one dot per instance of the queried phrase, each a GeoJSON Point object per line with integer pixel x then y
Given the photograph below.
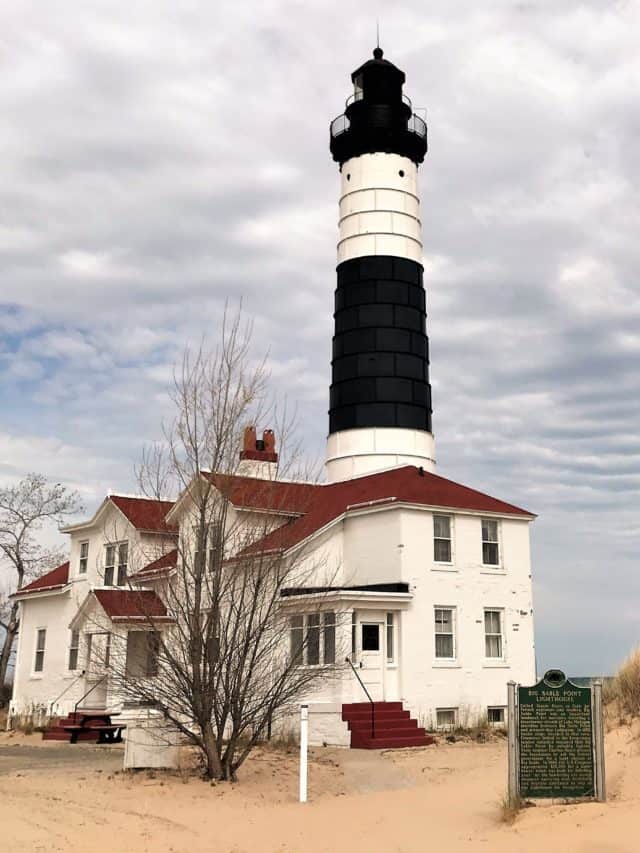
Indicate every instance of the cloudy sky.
{"type": "Point", "coordinates": [160, 158]}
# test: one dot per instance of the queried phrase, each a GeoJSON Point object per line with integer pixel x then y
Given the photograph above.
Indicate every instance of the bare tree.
{"type": "Point", "coordinates": [223, 664]}
{"type": "Point", "coordinates": [24, 509]}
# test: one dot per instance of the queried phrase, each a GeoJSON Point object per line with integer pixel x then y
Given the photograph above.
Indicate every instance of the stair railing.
{"type": "Point", "coordinates": [53, 704]}
{"type": "Point", "coordinates": [89, 691]}
{"type": "Point", "coordinates": [373, 716]}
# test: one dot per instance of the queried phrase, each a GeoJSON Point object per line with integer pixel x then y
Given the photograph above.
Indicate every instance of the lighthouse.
{"type": "Point", "coordinates": [380, 398]}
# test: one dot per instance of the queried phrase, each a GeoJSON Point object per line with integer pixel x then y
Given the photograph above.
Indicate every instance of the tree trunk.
{"type": "Point", "coordinates": [214, 768]}
{"type": "Point", "coordinates": [12, 630]}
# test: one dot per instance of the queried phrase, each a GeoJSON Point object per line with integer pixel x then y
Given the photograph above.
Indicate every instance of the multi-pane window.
{"type": "Point", "coordinates": [493, 645]}
{"type": "Point", "coordinates": [41, 640]}
{"type": "Point", "coordinates": [116, 557]}
{"type": "Point", "coordinates": [390, 638]}
{"type": "Point", "coordinates": [84, 558]}
{"type": "Point", "coordinates": [444, 632]}
{"type": "Point", "coordinates": [123, 559]}
{"type": "Point", "coordinates": [442, 538]}
{"type": "Point", "coordinates": [495, 717]}
{"type": "Point", "coordinates": [490, 548]}
{"type": "Point", "coordinates": [446, 718]}
{"type": "Point", "coordinates": [74, 647]}
{"type": "Point", "coordinates": [109, 564]}
{"type": "Point", "coordinates": [313, 638]}
{"type": "Point", "coordinates": [354, 633]}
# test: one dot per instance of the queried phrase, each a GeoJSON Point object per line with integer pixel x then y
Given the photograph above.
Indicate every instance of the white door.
{"type": "Point", "coordinates": [371, 659]}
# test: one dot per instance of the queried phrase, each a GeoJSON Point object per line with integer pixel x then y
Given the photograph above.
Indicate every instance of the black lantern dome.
{"type": "Point", "coordinates": [378, 116]}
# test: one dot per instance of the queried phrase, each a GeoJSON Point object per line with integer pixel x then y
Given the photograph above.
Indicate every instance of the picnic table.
{"type": "Point", "coordinates": [96, 721]}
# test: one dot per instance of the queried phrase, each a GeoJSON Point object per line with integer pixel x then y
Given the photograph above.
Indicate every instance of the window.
{"type": "Point", "coordinates": [446, 718]}
{"type": "Point", "coordinates": [493, 647]}
{"type": "Point", "coordinates": [329, 621]}
{"type": "Point", "coordinates": [74, 647]}
{"type": "Point", "coordinates": [143, 651]}
{"type": "Point", "coordinates": [123, 558]}
{"type": "Point", "coordinates": [84, 558]}
{"type": "Point", "coordinates": [354, 624]}
{"type": "Point", "coordinates": [370, 638]}
{"type": "Point", "coordinates": [495, 717]}
{"type": "Point", "coordinates": [109, 564]}
{"type": "Point", "coordinates": [313, 638]}
{"type": "Point", "coordinates": [444, 633]}
{"type": "Point", "coordinates": [442, 538]}
{"type": "Point", "coordinates": [490, 550]}
{"type": "Point", "coordinates": [390, 638]}
{"type": "Point", "coordinates": [41, 640]}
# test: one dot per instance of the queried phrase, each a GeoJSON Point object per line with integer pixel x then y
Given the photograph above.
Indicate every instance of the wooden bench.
{"type": "Point", "coordinates": [106, 734]}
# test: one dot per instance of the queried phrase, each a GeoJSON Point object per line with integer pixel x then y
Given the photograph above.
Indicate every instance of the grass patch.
{"type": "Point", "coordinates": [622, 694]}
{"type": "Point", "coordinates": [509, 810]}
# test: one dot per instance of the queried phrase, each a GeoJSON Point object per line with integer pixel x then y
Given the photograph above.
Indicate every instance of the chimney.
{"type": "Point", "coordinates": [258, 457]}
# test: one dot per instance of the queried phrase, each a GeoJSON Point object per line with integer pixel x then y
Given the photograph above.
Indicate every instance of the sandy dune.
{"type": "Point", "coordinates": [442, 798]}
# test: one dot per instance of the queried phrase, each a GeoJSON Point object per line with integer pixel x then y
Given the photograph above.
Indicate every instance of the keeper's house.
{"type": "Point", "coordinates": [433, 587]}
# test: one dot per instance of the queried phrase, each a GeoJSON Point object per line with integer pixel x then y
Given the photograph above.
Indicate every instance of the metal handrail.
{"type": "Point", "coordinates": [359, 96]}
{"type": "Point", "coordinates": [66, 690]}
{"type": "Point", "coordinates": [90, 690]}
{"type": "Point", "coordinates": [373, 715]}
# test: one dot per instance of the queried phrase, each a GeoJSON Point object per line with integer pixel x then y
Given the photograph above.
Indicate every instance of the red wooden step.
{"type": "Point", "coordinates": [366, 706]}
{"type": "Point", "coordinates": [389, 742]}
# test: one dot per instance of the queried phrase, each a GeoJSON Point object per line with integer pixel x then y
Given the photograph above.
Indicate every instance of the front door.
{"type": "Point", "coordinates": [371, 659]}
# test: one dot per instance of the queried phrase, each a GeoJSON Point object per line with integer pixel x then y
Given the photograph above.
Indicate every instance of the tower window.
{"type": "Point", "coordinates": [401, 173]}
{"type": "Point", "coordinates": [348, 176]}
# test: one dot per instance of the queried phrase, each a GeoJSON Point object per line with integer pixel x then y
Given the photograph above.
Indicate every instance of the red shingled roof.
{"type": "Point", "coordinates": [126, 604]}
{"type": "Point", "coordinates": [54, 579]}
{"type": "Point", "coordinates": [162, 564]}
{"type": "Point", "coordinates": [145, 513]}
{"type": "Point", "coordinates": [406, 485]}
{"type": "Point", "coordinates": [274, 495]}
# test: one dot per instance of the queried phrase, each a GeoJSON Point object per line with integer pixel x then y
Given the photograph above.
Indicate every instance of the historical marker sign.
{"type": "Point", "coordinates": [556, 732]}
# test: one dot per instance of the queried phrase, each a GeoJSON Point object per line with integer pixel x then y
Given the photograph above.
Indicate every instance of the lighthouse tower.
{"type": "Point", "coordinates": [380, 404]}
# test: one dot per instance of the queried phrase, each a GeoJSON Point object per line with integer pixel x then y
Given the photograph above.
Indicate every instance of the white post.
{"type": "Point", "coordinates": [304, 745]}
{"type": "Point", "coordinates": [512, 743]}
{"type": "Point", "coordinates": [597, 722]}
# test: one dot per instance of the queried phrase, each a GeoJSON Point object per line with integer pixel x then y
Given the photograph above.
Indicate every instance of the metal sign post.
{"type": "Point", "coordinates": [304, 746]}
{"type": "Point", "coordinates": [512, 741]}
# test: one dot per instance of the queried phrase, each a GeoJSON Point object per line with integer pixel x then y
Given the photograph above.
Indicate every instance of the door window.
{"type": "Point", "coordinates": [370, 638]}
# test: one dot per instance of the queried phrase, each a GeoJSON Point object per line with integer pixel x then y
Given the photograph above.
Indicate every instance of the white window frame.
{"type": "Point", "coordinates": [448, 562]}
{"type": "Point", "coordinates": [448, 727]}
{"type": "Point", "coordinates": [493, 634]}
{"type": "Point", "coordinates": [35, 672]}
{"type": "Point", "coordinates": [453, 634]}
{"type": "Point", "coordinates": [83, 561]}
{"type": "Point", "coordinates": [74, 646]}
{"type": "Point", "coordinates": [326, 626]}
{"type": "Point", "coordinates": [109, 564]}
{"type": "Point", "coordinates": [497, 542]}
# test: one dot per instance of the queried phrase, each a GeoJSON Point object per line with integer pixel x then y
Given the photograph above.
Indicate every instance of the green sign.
{"type": "Point", "coordinates": [555, 739]}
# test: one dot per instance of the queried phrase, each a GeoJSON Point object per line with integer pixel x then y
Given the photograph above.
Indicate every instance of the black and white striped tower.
{"type": "Point", "coordinates": [380, 407]}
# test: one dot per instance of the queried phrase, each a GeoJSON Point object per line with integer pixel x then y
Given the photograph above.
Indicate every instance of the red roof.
{"type": "Point", "coordinates": [124, 604]}
{"type": "Point", "coordinates": [164, 563]}
{"type": "Point", "coordinates": [406, 485]}
{"type": "Point", "coordinates": [274, 495]}
{"type": "Point", "coordinates": [145, 513]}
{"type": "Point", "coordinates": [54, 579]}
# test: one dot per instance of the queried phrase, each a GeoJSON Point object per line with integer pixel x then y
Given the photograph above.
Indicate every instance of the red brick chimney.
{"type": "Point", "coordinates": [258, 449]}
